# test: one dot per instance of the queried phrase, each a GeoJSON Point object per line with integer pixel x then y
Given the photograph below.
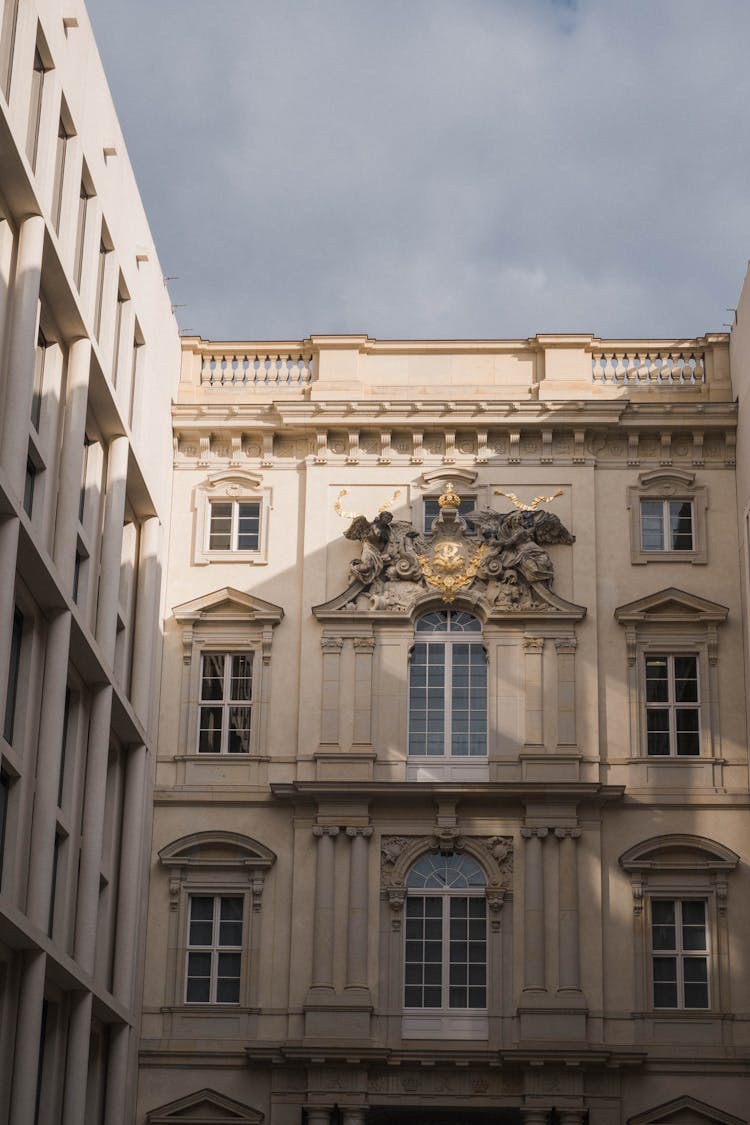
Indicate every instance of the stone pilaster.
{"type": "Point", "coordinates": [534, 913]}
{"type": "Point", "coordinates": [356, 955]}
{"type": "Point", "coordinates": [569, 978]}
{"type": "Point", "coordinates": [323, 925]}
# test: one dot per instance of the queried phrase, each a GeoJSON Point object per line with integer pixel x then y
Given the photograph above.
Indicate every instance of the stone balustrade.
{"type": "Point", "coordinates": [281, 367]}
{"type": "Point", "coordinates": [651, 367]}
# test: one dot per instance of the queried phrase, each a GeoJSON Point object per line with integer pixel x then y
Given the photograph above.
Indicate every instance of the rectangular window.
{"type": "Point", "coordinates": [8, 44]}
{"type": "Point", "coordinates": [679, 947]}
{"type": "Point", "coordinates": [214, 949]}
{"type": "Point", "coordinates": [225, 703]}
{"type": "Point", "coordinates": [445, 958]}
{"type": "Point", "coordinates": [14, 671]}
{"type": "Point", "coordinates": [101, 276]}
{"type": "Point", "coordinates": [35, 108]}
{"type": "Point", "coordinates": [28, 487]}
{"type": "Point", "coordinates": [4, 797]}
{"type": "Point", "coordinates": [448, 700]}
{"type": "Point", "coordinates": [672, 705]}
{"type": "Point", "coordinates": [432, 511]}
{"type": "Point", "coordinates": [122, 299]}
{"type": "Point", "coordinates": [36, 398]}
{"type": "Point", "coordinates": [666, 525]}
{"type": "Point", "coordinates": [136, 367]}
{"type": "Point", "coordinates": [83, 201]}
{"type": "Point", "coordinates": [63, 136]}
{"type": "Point", "coordinates": [234, 525]}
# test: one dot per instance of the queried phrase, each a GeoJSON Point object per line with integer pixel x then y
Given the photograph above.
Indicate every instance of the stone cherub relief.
{"type": "Point", "coordinates": [504, 565]}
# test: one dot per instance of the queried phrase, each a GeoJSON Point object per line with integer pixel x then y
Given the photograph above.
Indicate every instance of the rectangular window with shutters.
{"type": "Point", "coordinates": [673, 710]}
{"type": "Point", "coordinates": [225, 703]}
{"type": "Point", "coordinates": [214, 949]}
{"type": "Point", "coordinates": [679, 953]}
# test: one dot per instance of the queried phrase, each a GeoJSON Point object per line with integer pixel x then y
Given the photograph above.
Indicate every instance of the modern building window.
{"type": "Point", "coordinates": [101, 276]}
{"type": "Point", "coordinates": [666, 525]}
{"type": "Point", "coordinates": [83, 201]}
{"type": "Point", "coordinates": [122, 300]}
{"type": "Point", "coordinates": [672, 704]}
{"type": "Point", "coordinates": [8, 29]}
{"type": "Point", "coordinates": [679, 953]}
{"type": "Point", "coordinates": [448, 687]}
{"type": "Point", "coordinates": [225, 703]}
{"type": "Point", "coordinates": [214, 949]}
{"type": "Point", "coordinates": [445, 954]}
{"type": "Point", "coordinates": [14, 670]}
{"type": "Point", "coordinates": [64, 134]}
{"type": "Point", "coordinates": [39, 360]}
{"type": "Point", "coordinates": [35, 108]}
{"type": "Point", "coordinates": [432, 511]}
{"type": "Point", "coordinates": [4, 797]}
{"type": "Point", "coordinates": [28, 487]}
{"type": "Point", "coordinates": [234, 525]}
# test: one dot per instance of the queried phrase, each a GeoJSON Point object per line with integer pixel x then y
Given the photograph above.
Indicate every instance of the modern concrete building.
{"type": "Point", "coordinates": [448, 754]}
{"type": "Point", "coordinates": [456, 831]}
{"type": "Point", "coordinates": [89, 360]}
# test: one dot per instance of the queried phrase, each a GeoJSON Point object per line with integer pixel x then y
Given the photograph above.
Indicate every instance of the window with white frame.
{"type": "Point", "coordinates": [668, 518]}
{"type": "Point", "coordinates": [673, 717]}
{"type": "Point", "coordinates": [445, 952]}
{"type": "Point", "coordinates": [232, 517]}
{"type": "Point", "coordinates": [214, 949]}
{"type": "Point", "coordinates": [234, 525]}
{"type": "Point", "coordinates": [666, 525]}
{"type": "Point", "coordinates": [679, 953]}
{"type": "Point", "coordinates": [225, 703]}
{"type": "Point", "coordinates": [448, 687]}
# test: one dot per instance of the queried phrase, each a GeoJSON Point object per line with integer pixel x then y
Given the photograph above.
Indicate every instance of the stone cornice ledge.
{"type": "Point", "coordinates": [265, 1054]}
{"type": "Point", "coordinates": [415, 790]}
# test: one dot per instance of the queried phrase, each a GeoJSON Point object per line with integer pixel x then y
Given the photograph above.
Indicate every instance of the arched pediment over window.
{"type": "Point", "coordinates": [217, 849]}
{"type": "Point", "coordinates": [205, 1107]}
{"type": "Point", "coordinates": [685, 1111]}
{"type": "Point", "coordinates": [679, 853]}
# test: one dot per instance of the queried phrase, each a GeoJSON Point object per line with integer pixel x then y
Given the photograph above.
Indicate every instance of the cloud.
{"type": "Point", "coordinates": [439, 167]}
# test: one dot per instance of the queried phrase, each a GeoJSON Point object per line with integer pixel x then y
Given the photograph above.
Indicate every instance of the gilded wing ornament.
{"type": "Point", "coordinates": [523, 507]}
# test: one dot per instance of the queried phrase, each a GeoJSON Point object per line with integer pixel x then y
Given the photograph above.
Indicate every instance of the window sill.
{"type": "Point", "coordinates": [249, 558]}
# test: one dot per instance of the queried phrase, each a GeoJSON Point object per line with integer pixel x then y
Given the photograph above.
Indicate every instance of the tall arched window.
{"type": "Point", "coordinates": [445, 955]}
{"type": "Point", "coordinates": [448, 687]}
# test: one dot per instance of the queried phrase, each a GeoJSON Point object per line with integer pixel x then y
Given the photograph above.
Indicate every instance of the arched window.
{"type": "Point", "coordinates": [445, 955]}
{"type": "Point", "coordinates": [448, 687]}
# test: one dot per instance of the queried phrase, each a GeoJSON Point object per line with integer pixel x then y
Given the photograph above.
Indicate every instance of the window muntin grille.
{"type": "Point", "coordinates": [672, 704]}
{"type": "Point", "coordinates": [447, 688]}
{"type": "Point", "coordinates": [667, 525]}
{"type": "Point", "coordinates": [225, 703]}
{"type": "Point", "coordinates": [679, 947]}
{"type": "Point", "coordinates": [214, 949]}
{"type": "Point", "coordinates": [234, 525]}
{"type": "Point", "coordinates": [445, 951]}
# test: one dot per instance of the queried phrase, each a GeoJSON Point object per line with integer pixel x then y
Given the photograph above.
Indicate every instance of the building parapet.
{"type": "Point", "coordinates": [543, 367]}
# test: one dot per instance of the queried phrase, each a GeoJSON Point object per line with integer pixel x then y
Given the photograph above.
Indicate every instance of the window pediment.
{"type": "Point", "coordinates": [679, 853]}
{"type": "Point", "coordinates": [669, 606]}
{"type": "Point", "coordinates": [216, 849]}
{"type": "Point", "coordinates": [685, 1111]}
{"type": "Point", "coordinates": [231, 481]}
{"type": "Point", "coordinates": [229, 605]}
{"type": "Point", "coordinates": [205, 1107]}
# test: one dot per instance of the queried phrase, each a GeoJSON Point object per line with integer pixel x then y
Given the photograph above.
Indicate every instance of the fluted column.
{"type": "Point", "coordinates": [322, 969]}
{"type": "Point", "coordinates": [356, 954]}
{"type": "Point", "coordinates": [317, 1115]}
{"type": "Point", "coordinates": [569, 964]}
{"type": "Point", "coordinates": [354, 1115]}
{"type": "Point", "coordinates": [92, 828]}
{"type": "Point", "coordinates": [71, 459]}
{"type": "Point", "coordinates": [19, 370]}
{"type": "Point", "coordinates": [534, 921]}
{"type": "Point", "coordinates": [49, 760]}
{"type": "Point", "coordinates": [111, 551]}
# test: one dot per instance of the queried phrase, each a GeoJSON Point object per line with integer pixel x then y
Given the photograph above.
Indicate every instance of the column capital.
{"type": "Point", "coordinates": [530, 833]}
{"type": "Point", "coordinates": [363, 644]}
{"type": "Point", "coordinates": [325, 830]}
{"type": "Point", "coordinates": [568, 833]}
{"type": "Point", "coordinates": [332, 644]}
{"type": "Point", "coordinates": [353, 830]}
{"type": "Point", "coordinates": [533, 644]}
{"type": "Point", "coordinates": [566, 644]}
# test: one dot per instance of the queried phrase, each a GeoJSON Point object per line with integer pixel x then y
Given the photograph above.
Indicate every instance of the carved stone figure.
{"type": "Point", "coordinates": [506, 566]}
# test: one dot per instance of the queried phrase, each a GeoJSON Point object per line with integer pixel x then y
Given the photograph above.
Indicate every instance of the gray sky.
{"type": "Point", "coordinates": [411, 168]}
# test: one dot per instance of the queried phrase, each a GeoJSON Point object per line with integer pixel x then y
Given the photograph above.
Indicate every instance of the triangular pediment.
{"type": "Point", "coordinates": [216, 849]}
{"type": "Point", "coordinates": [671, 606]}
{"type": "Point", "coordinates": [205, 1107]}
{"type": "Point", "coordinates": [685, 1111]}
{"type": "Point", "coordinates": [229, 605]}
{"type": "Point", "coordinates": [679, 853]}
